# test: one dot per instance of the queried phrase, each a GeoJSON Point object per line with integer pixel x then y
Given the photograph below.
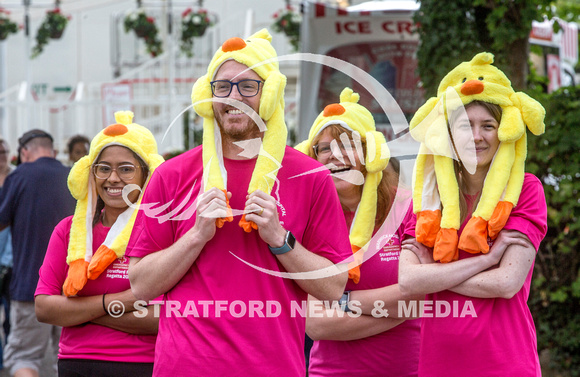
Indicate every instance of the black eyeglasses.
{"type": "Point", "coordinates": [247, 88]}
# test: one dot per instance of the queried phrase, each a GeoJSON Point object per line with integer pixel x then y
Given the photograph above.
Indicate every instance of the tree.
{"type": "Point", "coordinates": [568, 10]}
{"type": "Point", "coordinates": [453, 32]}
{"type": "Point", "coordinates": [555, 294]}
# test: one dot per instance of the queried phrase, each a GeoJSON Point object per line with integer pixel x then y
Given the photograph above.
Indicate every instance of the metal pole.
{"type": "Point", "coordinates": [175, 139]}
{"type": "Point", "coordinates": [29, 113]}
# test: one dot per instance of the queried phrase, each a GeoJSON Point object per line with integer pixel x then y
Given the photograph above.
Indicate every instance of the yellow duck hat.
{"type": "Point", "coordinates": [434, 181]}
{"type": "Point", "coordinates": [250, 52]}
{"type": "Point", "coordinates": [82, 263]}
{"type": "Point", "coordinates": [356, 118]}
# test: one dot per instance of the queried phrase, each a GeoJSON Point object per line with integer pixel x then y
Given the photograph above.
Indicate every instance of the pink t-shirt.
{"type": "Point", "coordinates": [391, 353]}
{"type": "Point", "coordinates": [501, 340]}
{"type": "Point", "coordinates": [88, 340]}
{"type": "Point", "coordinates": [225, 317]}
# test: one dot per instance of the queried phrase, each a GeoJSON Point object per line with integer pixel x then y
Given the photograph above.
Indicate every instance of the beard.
{"type": "Point", "coordinates": [232, 130]}
{"type": "Point", "coordinates": [240, 131]}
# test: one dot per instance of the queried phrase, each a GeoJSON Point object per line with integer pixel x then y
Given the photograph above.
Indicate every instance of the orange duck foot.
{"type": "Point", "coordinates": [100, 261]}
{"type": "Point", "coordinates": [221, 221]}
{"type": "Point", "coordinates": [247, 225]}
{"type": "Point", "coordinates": [445, 249]}
{"type": "Point", "coordinates": [229, 215]}
{"type": "Point", "coordinates": [354, 266]}
{"type": "Point", "coordinates": [427, 227]}
{"type": "Point", "coordinates": [499, 218]}
{"type": "Point", "coordinates": [354, 274]}
{"type": "Point", "coordinates": [474, 236]}
{"type": "Point", "coordinates": [76, 278]}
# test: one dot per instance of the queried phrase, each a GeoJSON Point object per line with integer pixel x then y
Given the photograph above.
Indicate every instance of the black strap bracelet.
{"type": "Point", "coordinates": [104, 306]}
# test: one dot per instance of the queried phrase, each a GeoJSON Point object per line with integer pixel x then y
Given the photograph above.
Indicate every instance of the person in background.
{"type": "Point", "coordinates": [96, 341]}
{"type": "Point", "coordinates": [5, 166]}
{"type": "Point", "coordinates": [77, 147]}
{"type": "Point", "coordinates": [290, 223]}
{"type": "Point", "coordinates": [344, 139]}
{"type": "Point", "coordinates": [5, 251]}
{"type": "Point", "coordinates": [33, 200]}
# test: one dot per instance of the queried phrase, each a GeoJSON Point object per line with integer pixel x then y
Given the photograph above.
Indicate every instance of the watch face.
{"type": "Point", "coordinates": [290, 240]}
{"type": "Point", "coordinates": [343, 301]}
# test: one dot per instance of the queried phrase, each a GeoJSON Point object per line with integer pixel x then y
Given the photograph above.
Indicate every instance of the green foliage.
{"type": "Point", "coordinates": [555, 295]}
{"type": "Point", "coordinates": [568, 10]}
{"type": "Point", "coordinates": [7, 26]}
{"type": "Point", "coordinates": [448, 36]}
{"type": "Point", "coordinates": [288, 21]}
{"type": "Point", "coordinates": [454, 31]}
{"type": "Point", "coordinates": [144, 27]}
{"type": "Point", "coordinates": [508, 20]}
{"type": "Point", "coordinates": [52, 27]}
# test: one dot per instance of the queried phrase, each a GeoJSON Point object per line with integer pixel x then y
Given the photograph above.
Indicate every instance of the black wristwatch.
{"type": "Point", "coordinates": [289, 242]}
{"type": "Point", "coordinates": [343, 302]}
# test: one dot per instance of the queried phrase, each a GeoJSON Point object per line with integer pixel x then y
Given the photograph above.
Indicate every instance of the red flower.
{"type": "Point", "coordinates": [206, 19]}
{"type": "Point", "coordinates": [57, 10]}
{"type": "Point", "coordinates": [202, 11]}
{"type": "Point", "coordinates": [284, 22]}
{"type": "Point", "coordinates": [186, 12]}
{"type": "Point", "coordinates": [289, 7]}
{"type": "Point", "coordinates": [150, 20]}
{"type": "Point", "coordinates": [275, 15]}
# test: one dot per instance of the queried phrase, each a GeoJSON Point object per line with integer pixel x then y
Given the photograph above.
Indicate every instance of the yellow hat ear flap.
{"type": "Point", "coordinates": [202, 91]}
{"type": "Point", "coordinates": [78, 178]}
{"type": "Point", "coordinates": [154, 161]}
{"type": "Point", "coordinates": [425, 116]}
{"type": "Point", "coordinates": [378, 153]}
{"type": "Point", "coordinates": [272, 95]}
{"type": "Point", "coordinates": [303, 147]}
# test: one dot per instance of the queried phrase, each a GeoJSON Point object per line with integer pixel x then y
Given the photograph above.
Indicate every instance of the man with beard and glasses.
{"type": "Point", "coordinates": [229, 306]}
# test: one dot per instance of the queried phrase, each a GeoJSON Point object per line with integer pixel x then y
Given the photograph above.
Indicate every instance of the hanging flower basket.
{"type": "Point", "coordinates": [142, 31]}
{"type": "Point", "coordinates": [193, 24]}
{"type": "Point", "coordinates": [146, 29]}
{"type": "Point", "coordinates": [288, 21]}
{"type": "Point", "coordinates": [51, 28]}
{"type": "Point", "coordinates": [7, 26]}
{"type": "Point", "coordinates": [56, 34]}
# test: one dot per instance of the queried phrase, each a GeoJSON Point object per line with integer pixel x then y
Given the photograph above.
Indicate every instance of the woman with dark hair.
{"type": "Point", "coordinates": [349, 338]}
{"type": "Point", "coordinates": [84, 285]}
